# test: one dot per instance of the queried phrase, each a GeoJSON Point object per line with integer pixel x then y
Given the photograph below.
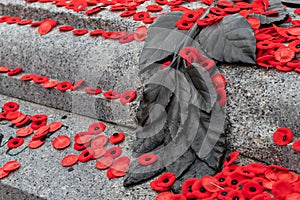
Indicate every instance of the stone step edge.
{"type": "Point", "coordinates": [93, 106]}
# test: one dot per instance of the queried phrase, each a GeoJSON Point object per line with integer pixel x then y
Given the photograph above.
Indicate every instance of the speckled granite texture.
{"type": "Point", "coordinates": [94, 106]}
{"type": "Point", "coordinates": [42, 175]}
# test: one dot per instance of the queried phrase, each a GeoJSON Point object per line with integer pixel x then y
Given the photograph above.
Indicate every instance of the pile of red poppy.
{"type": "Point", "coordinates": [254, 181]}
{"type": "Point", "coordinates": [92, 145]}
{"type": "Point", "coordinates": [284, 136]}
{"type": "Point", "coordinates": [191, 55]}
{"type": "Point", "coordinates": [9, 167]}
{"type": "Point", "coordinates": [271, 52]}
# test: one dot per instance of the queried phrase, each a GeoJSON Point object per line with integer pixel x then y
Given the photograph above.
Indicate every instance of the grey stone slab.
{"type": "Point", "coordinates": [63, 56]}
{"type": "Point", "coordinates": [94, 106]}
{"type": "Point", "coordinates": [259, 102]}
{"type": "Point", "coordinates": [41, 174]}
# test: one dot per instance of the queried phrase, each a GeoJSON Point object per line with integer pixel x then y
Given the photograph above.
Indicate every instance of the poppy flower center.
{"type": "Point", "coordinates": [221, 179]}
{"type": "Point", "coordinates": [202, 189]}
{"type": "Point", "coordinates": [166, 180]}
{"type": "Point", "coordinates": [252, 189]}
{"type": "Point", "coordinates": [235, 198]}
{"type": "Point", "coordinates": [224, 193]}
{"type": "Point", "coordinates": [190, 16]}
{"type": "Point", "coordinates": [234, 182]}
{"type": "Point", "coordinates": [261, 183]}
{"type": "Point", "coordinates": [298, 46]}
{"type": "Point", "coordinates": [38, 123]}
{"type": "Point", "coordinates": [115, 134]}
{"type": "Point", "coordinates": [11, 106]}
{"type": "Point", "coordinates": [184, 24]}
{"type": "Point", "coordinates": [246, 172]}
{"type": "Point", "coordinates": [63, 86]}
{"type": "Point", "coordinates": [284, 138]}
{"type": "Point", "coordinates": [86, 154]}
{"type": "Point", "coordinates": [141, 16]}
{"type": "Point", "coordinates": [113, 152]}
{"type": "Point", "coordinates": [15, 142]}
{"type": "Point", "coordinates": [96, 128]}
{"type": "Point", "coordinates": [190, 189]}
{"type": "Point", "coordinates": [147, 159]}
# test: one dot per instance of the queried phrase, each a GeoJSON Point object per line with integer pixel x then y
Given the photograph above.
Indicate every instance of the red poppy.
{"type": "Point", "coordinates": [221, 96]}
{"type": "Point", "coordinates": [96, 128]}
{"type": "Point", "coordinates": [80, 32]}
{"type": "Point", "coordinates": [244, 5]}
{"type": "Point", "coordinates": [217, 11]}
{"type": "Point", "coordinates": [225, 4]}
{"type": "Point", "coordinates": [190, 16]}
{"type": "Point", "coordinates": [93, 91]}
{"type": "Point", "coordinates": [40, 79]}
{"type": "Point", "coordinates": [167, 179]}
{"type": "Point", "coordinates": [13, 20]}
{"type": "Point", "coordinates": [221, 179]}
{"type": "Point", "coordinates": [23, 132]}
{"type": "Point", "coordinates": [139, 16]}
{"type": "Point", "coordinates": [96, 32]}
{"type": "Point", "coordinates": [113, 152]}
{"type": "Point", "coordinates": [161, 2]}
{"type": "Point", "coordinates": [4, 69]}
{"type": "Point", "coordinates": [283, 136]}
{"type": "Point", "coordinates": [164, 196]}
{"type": "Point", "coordinates": [11, 166]}
{"type": "Point", "coordinates": [210, 183]}
{"type": "Point", "coordinates": [93, 10]}
{"type": "Point", "coordinates": [104, 163]}
{"type": "Point", "coordinates": [46, 26]}
{"type": "Point", "coordinates": [99, 141]}
{"type": "Point", "coordinates": [235, 194]}
{"type": "Point", "coordinates": [154, 8]}
{"type": "Point", "coordinates": [37, 124]}
{"type": "Point", "coordinates": [296, 187]}
{"type": "Point", "coordinates": [39, 117]}
{"type": "Point", "coordinates": [3, 173]}
{"type": "Point", "coordinates": [86, 155]}
{"type": "Point", "coordinates": [234, 179]}
{"type": "Point", "coordinates": [69, 160]}
{"type": "Point", "coordinates": [254, 22]}
{"type": "Point", "coordinates": [265, 45]}
{"type": "Point", "coordinates": [15, 143]}
{"type": "Point", "coordinates": [191, 58]}
{"type": "Point", "coordinates": [126, 38]}
{"type": "Point", "coordinates": [284, 68]}
{"type": "Point", "coordinates": [184, 25]}
{"type": "Point", "coordinates": [256, 168]}
{"type": "Point", "coordinates": [82, 138]}
{"type": "Point", "coordinates": [295, 46]}
{"type": "Point", "coordinates": [218, 80]}
{"type": "Point", "coordinates": [297, 11]}
{"type": "Point", "coordinates": [178, 197]}
{"type": "Point", "coordinates": [287, 176]}
{"type": "Point", "coordinates": [128, 96]}
{"type": "Point", "coordinates": [149, 20]}
{"type": "Point", "coordinates": [128, 13]}
{"type": "Point", "coordinates": [19, 119]}
{"type": "Point", "coordinates": [140, 33]}
{"type": "Point", "coordinates": [40, 132]}
{"type": "Point", "coordinates": [294, 64]}
{"type": "Point", "coordinates": [179, 8]}
{"type": "Point", "coordinates": [207, 64]}
{"type": "Point", "coordinates": [243, 170]}
{"type": "Point", "coordinates": [296, 146]}
{"type": "Point", "coordinates": [50, 84]}
{"type": "Point", "coordinates": [98, 152]}
{"type": "Point", "coordinates": [22, 123]}
{"type": "Point", "coordinates": [251, 189]}
{"type": "Point", "coordinates": [154, 186]}
{"type": "Point", "coordinates": [117, 7]}
{"type": "Point", "coordinates": [223, 193]}
{"type": "Point", "coordinates": [229, 170]}
{"type": "Point", "coordinates": [35, 24]}
{"type": "Point", "coordinates": [281, 189]}
{"type": "Point", "coordinates": [199, 190]}
{"type": "Point", "coordinates": [65, 28]}
{"type": "Point", "coordinates": [80, 147]}
{"type": "Point", "coordinates": [186, 51]}
{"type": "Point", "coordinates": [64, 86]}
{"type": "Point", "coordinates": [165, 64]}
{"type": "Point", "coordinates": [13, 115]}
{"type": "Point", "coordinates": [147, 159]}
{"type": "Point", "coordinates": [111, 94]}
{"type": "Point", "coordinates": [120, 166]}
{"type": "Point", "coordinates": [117, 138]}
{"type": "Point", "coordinates": [284, 54]}
{"type": "Point", "coordinates": [11, 106]}
{"type": "Point", "coordinates": [15, 71]}
{"type": "Point", "coordinates": [61, 142]}
{"type": "Point", "coordinates": [54, 126]}
{"type": "Point", "coordinates": [27, 77]}
{"type": "Point", "coordinates": [33, 144]}
{"type": "Point", "coordinates": [186, 188]}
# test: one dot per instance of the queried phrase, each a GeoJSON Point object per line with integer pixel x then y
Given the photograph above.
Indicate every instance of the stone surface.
{"type": "Point", "coordinates": [259, 102]}
{"type": "Point", "coordinates": [94, 106]}
{"type": "Point", "coordinates": [41, 174]}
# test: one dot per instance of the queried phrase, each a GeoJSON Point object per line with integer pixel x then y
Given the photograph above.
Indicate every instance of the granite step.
{"type": "Point", "coordinates": [41, 175]}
